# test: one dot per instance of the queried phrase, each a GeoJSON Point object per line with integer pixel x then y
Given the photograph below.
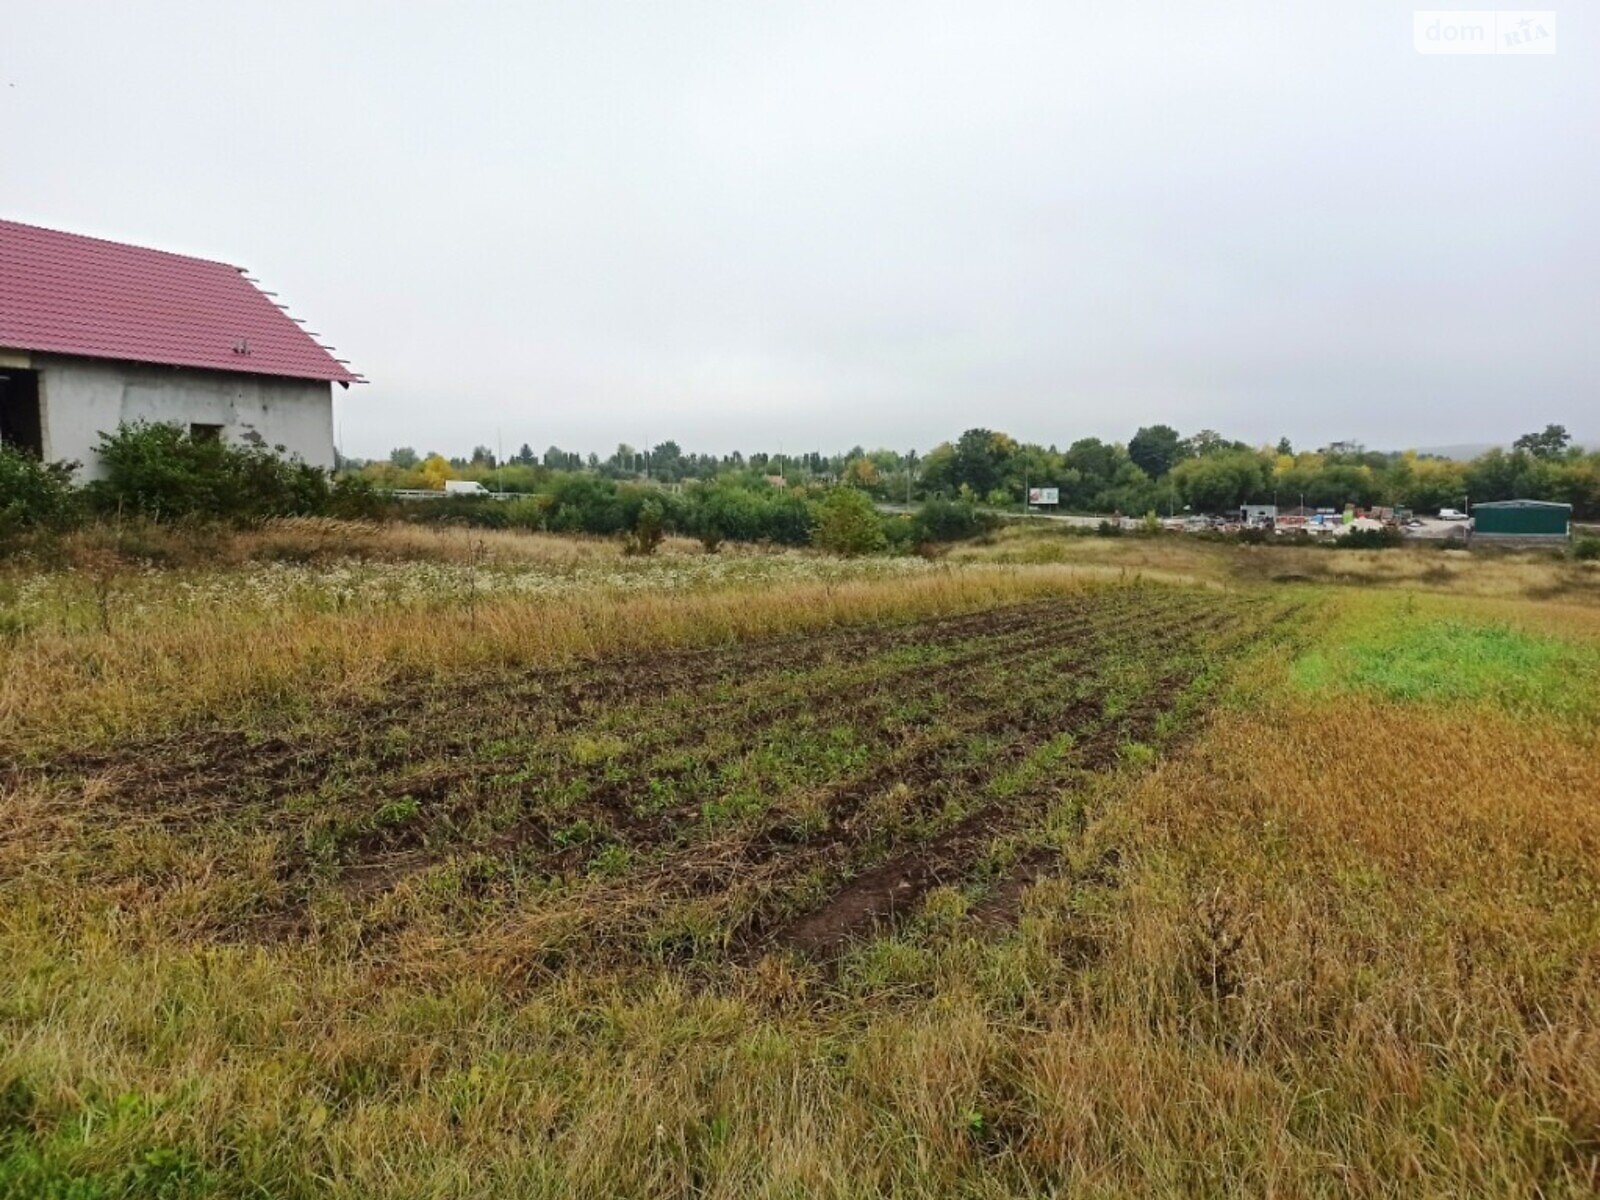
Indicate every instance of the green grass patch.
{"type": "Point", "coordinates": [1446, 661]}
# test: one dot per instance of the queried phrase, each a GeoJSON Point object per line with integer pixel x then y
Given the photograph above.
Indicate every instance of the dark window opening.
{"type": "Point", "coordinates": [205, 433]}
{"type": "Point", "coordinates": [20, 426]}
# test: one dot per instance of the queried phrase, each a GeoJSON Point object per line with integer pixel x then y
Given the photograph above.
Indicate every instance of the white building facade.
{"type": "Point", "coordinates": [79, 399]}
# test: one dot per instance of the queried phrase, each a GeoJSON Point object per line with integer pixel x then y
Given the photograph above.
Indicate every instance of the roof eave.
{"type": "Point", "coordinates": [335, 375]}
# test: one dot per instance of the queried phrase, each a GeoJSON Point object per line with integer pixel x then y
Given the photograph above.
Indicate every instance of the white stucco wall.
{"type": "Point", "coordinates": [80, 398]}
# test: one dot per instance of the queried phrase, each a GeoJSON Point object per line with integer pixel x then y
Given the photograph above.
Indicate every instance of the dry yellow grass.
{"type": "Point", "coordinates": [302, 539]}
{"type": "Point", "coordinates": [67, 689]}
{"type": "Point", "coordinates": [320, 537]}
{"type": "Point", "coordinates": [1361, 943]}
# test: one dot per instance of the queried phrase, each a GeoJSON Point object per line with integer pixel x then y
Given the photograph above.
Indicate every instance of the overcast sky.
{"type": "Point", "coordinates": [770, 224]}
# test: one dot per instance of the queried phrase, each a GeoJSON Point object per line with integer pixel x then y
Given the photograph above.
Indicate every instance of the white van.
{"type": "Point", "coordinates": [464, 487]}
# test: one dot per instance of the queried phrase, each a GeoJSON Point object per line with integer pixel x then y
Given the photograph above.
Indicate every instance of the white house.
{"type": "Point", "coordinates": [95, 333]}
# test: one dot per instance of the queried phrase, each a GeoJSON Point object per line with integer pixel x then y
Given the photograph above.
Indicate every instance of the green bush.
{"type": "Point", "coordinates": [584, 504]}
{"type": "Point", "coordinates": [722, 511]}
{"type": "Point", "coordinates": [730, 510]}
{"type": "Point", "coordinates": [473, 512]}
{"type": "Point", "coordinates": [525, 513]}
{"type": "Point", "coordinates": [648, 528]}
{"type": "Point", "coordinates": [35, 495]}
{"type": "Point", "coordinates": [641, 503]}
{"type": "Point", "coordinates": [848, 524]}
{"type": "Point", "coordinates": [159, 471]}
{"type": "Point", "coordinates": [727, 509]}
{"type": "Point", "coordinates": [901, 535]}
{"type": "Point", "coordinates": [786, 518]}
{"type": "Point", "coordinates": [1586, 549]}
{"type": "Point", "coordinates": [949, 521]}
{"type": "Point", "coordinates": [353, 498]}
{"type": "Point", "coordinates": [716, 511]}
{"type": "Point", "coordinates": [1370, 539]}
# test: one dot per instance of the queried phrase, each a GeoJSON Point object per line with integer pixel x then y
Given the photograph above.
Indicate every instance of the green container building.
{"type": "Point", "coordinates": [1533, 519]}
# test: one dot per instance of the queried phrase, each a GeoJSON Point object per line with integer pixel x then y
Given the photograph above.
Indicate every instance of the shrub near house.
{"type": "Point", "coordinates": [35, 495]}
{"type": "Point", "coordinates": [162, 472]}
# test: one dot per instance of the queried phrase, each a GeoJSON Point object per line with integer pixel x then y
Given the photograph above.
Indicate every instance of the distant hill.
{"type": "Point", "coordinates": [1462, 451]}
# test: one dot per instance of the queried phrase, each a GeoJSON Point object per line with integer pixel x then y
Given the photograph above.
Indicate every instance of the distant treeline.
{"type": "Point", "coordinates": [737, 506]}
{"type": "Point", "coordinates": [1158, 470]}
{"type": "Point", "coordinates": [161, 473]}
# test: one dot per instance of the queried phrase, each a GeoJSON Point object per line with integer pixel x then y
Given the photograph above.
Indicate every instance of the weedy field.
{"type": "Point", "coordinates": [1123, 875]}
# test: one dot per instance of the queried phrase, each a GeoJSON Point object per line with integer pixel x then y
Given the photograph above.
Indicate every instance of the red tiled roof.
{"type": "Point", "coordinates": [63, 293]}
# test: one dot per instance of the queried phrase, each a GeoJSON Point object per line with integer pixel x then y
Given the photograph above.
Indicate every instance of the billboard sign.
{"type": "Point", "coordinates": [1044, 495]}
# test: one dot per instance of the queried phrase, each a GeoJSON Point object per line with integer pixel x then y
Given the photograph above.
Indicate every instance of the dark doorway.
{"type": "Point", "coordinates": [20, 427]}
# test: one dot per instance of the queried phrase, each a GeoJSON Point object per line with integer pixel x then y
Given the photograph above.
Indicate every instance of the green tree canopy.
{"type": "Point", "coordinates": [1222, 479]}
{"type": "Point", "coordinates": [980, 458]}
{"type": "Point", "coordinates": [1156, 449]}
{"type": "Point", "coordinates": [1551, 443]}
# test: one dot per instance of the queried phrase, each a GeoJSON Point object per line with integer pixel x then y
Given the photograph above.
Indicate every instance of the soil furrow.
{"type": "Point", "coordinates": [223, 766]}
{"type": "Point", "coordinates": [631, 830]}
{"type": "Point", "coordinates": [765, 863]}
